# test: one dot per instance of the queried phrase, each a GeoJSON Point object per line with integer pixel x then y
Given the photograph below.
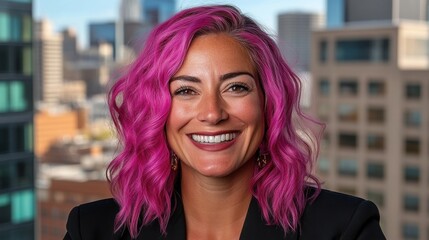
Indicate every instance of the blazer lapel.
{"type": "Point", "coordinates": [255, 228]}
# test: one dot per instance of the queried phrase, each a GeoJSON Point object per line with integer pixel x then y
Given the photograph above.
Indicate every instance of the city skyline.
{"type": "Point", "coordinates": [77, 14]}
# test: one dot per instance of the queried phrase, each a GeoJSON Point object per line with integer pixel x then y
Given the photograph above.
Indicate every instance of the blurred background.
{"type": "Point", "coordinates": [364, 65]}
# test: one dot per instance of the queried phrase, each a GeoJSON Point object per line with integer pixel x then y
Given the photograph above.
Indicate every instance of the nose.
{"type": "Point", "coordinates": [211, 110]}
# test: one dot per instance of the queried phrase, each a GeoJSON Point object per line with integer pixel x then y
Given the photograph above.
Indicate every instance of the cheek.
{"type": "Point", "coordinates": [178, 117]}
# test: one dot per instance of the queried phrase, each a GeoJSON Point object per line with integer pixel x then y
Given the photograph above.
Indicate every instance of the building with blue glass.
{"type": "Point", "coordinates": [104, 32]}
{"type": "Point", "coordinates": [157, 11]}
{"type": "Point", "coordinates": [17, 197]}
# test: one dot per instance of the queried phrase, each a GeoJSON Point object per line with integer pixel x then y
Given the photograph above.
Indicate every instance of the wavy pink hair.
{"type": "Point", "coordinates": [141, 178]}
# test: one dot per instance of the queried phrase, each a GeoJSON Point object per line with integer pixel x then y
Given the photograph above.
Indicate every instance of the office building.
{"type": "Point", "coordinates": [131, 10]}
{"type": "Point", "coordinates": [371, 87]}
{"type": "Point", "coordinates": [102, 33]}
{"type": "Point", "coordinates": [343, 12]}
{"type": "Point", "coordinates": [48, 65]}
{"type": "Point", "coordinates": [294, 37]}
{"type": "Point", "coordinates": [17, 198]}
{"type": "Point", "coordinates": [157, 11]}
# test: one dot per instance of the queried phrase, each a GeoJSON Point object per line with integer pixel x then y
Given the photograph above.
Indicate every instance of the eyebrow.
{"type": "Point", "coordinates": [222, 77]}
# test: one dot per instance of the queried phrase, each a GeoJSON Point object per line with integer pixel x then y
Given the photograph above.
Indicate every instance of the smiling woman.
{"type": "Point", "coordinates": [208, 120]}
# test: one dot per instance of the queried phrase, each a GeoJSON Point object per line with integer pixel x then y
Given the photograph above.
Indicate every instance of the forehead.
{"type": "Point", "coordinates": [219, 51]}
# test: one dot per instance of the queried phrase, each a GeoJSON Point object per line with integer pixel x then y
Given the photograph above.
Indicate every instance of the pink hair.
{"type": "Point", "coordinates": [141, 178]}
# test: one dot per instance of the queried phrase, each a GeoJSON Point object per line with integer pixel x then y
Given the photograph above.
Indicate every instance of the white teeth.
{"type": "Point", "coordinates": [214, 139]}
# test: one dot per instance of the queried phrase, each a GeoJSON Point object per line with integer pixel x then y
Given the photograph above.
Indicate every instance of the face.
{"type": "Point", "coordinates": [216, 122]}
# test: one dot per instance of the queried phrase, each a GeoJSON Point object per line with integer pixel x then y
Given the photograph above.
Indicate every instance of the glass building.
{"type": "Point", "coordinates": [157, 11]}
{"type": "Point", "coordinates": [103, 33]}
{"type": "Point", "coordinates": [17, 196]}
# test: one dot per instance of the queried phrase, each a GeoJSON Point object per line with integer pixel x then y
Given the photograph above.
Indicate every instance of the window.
{"type": "Point", "coordinates": [376, 197]}
{"type": "Point", "coordinates": [324, 87]}
{"type": "Point", "coordinates": [376, 88]}
{"type": "Point", "coordinates": [23, 206]}
{"type": "Point", "coordinates": [375, 170]}
{"type": "Point", "coordinates": [375, 115]}
{"type": "Point", "coordinates": [15, 27]}
{"type": "Point", "coordinates": [348, 140]}
{"type": "Point", "coordinates": [23, 171]}
{"type": "Point", "coordinates": [411, 203]}
{"type": "Point", "coordinates": [410, 231]}
{"type": "Point", "coordinates": [5, 178]}
{"type": "Point", "coordinates": [373, 50]}
{"type": "Point", "coordinates": [4, 139]}
{"type": "Point", "coordinates": [413, 118]}
{"type": "Point", "coordinates": [413, 91]}
{"type": "Point", "coordinates": [5, 209]}
{"type": "Point", "coordinates": [323, 164]}
{"type": "Point", "coordinates": [347, 167]}
{"type": "Point", "coordinates": [375, 142]}
{"type": "Point", "coordinates": [412, 146]}
{"type": "Point", "coordinates": [347, 112]}
{"type": "Point", "coordinates": [15, 96]}
{"type": "Point", "coordinates": [4, 58]}
{"type": "Point", "coordinates": [411, 174]}
{"type": "Point", "coordinates": [348, 88]}
{"type": "Point", "coordinates": [323, 51]}
{"type": "Point", "coordinates": [21, 135]}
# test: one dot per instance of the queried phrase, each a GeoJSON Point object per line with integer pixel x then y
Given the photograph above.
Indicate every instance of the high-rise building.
{"type": "Point", "coordinates": [294, 36]}
{"type": "Point", "coordinates": [157, 11]}
{"type": "Point", "coordinates": [103, 33]}
{"type": "Point", "coordinates": [131, 10]}
{"type": "Point", "coordinates": [342, 12]}
{"type": "Point", "coordinates": [17, 198]}
{"type": "Point", "coordinates": [371, 86]}
{"type": "Point", "coordinates": [48, 65]}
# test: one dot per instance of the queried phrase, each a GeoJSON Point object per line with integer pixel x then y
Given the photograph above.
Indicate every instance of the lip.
{"type": "Point", "coordinates": [213, 147]}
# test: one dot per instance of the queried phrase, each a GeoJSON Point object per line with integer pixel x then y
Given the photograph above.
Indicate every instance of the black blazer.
{"type": "Point", "coordinates": [330, 216]}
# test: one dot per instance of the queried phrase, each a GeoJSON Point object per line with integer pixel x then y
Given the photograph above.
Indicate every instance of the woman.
{"type": "Point", "coordinates": [208, 116]}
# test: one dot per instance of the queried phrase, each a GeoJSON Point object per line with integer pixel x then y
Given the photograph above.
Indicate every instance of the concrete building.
{"type": "Point", "coordinates": [131, 10]}
{"type": "Point", "coordinates": [17, 197]}
{"type": "Point", "coordinates": [371, 87]}
{"type": "Point", "coordinates": [48, 64]}
{"type": "Point", "coordinates": [342, 12]}
{"type": "Point", "coordinates": [294, 37]}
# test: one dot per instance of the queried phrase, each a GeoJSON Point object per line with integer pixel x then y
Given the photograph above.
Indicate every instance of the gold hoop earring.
{"type": "Point", "coordinates": [262, 160]}
{"type": "Point", "coordinates": [174, 161]}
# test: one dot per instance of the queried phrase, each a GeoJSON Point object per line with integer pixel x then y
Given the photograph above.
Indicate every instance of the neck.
{"type": "Point", "coordinates": [215, 208]}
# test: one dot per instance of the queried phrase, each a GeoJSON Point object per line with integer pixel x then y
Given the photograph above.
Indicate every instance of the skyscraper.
{"type": "Point", "coordinates": [157, 11]}
{"type": "Point", "coordinates": [17, 198]}
{"type": "Point", "coordinates": [48, 67]}
{"type": "Point", "coordinates": [341, 12]}
{"type": "Point", "coordinates": [130, 10]}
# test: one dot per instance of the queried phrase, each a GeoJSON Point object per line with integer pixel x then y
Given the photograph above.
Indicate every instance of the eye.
{"type": "Point", "coordinates": [185, 91]}
{"type": "Point", "coordinates": [238, 87]}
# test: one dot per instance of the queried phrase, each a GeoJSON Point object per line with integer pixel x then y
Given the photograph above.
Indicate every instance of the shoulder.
{"type": "Point", "coordinates": [94, 220]}
{"type": "Point", "coordinates": [337, 215]}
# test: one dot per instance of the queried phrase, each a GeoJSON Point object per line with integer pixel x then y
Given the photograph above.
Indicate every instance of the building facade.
{"type": "Point", "coordinates": [342, 12]}
{"type": "Point", "coordinates": [17, 197]}
{"type": "Point", "coordinates": [371, 87]}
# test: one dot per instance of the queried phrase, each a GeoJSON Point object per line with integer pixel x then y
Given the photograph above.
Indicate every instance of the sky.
{"type": "Point", "coordinates": [79, 13]}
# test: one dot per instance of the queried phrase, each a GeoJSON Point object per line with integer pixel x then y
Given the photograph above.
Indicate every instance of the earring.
{"type": "Point", "coordinates": [262, 160]}
{"type": "Point", "coordinates": [174, 161]}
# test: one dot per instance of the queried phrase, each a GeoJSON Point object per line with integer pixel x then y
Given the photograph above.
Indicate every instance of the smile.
{"type": "Point", "coordinates": [210, 139]}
